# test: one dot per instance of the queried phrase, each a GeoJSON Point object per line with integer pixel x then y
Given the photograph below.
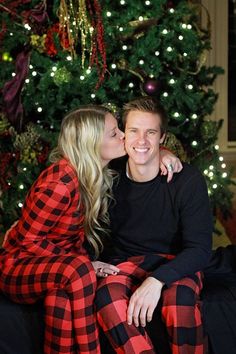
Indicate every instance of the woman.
{"type": "Point", "coordinates": [44, 255]}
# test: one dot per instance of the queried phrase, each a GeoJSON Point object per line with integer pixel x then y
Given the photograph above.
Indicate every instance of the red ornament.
{"type": "Point", "coordinates": [151, 87]}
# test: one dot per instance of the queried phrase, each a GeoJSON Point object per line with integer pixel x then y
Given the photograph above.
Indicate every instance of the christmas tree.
{"type": "Point", "coordinates": [57, 55]}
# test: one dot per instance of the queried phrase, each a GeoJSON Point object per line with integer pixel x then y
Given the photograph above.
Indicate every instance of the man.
{"type": "Point", "coordinates": [162, 240]}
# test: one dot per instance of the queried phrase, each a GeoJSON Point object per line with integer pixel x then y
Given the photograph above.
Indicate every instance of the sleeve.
{"type": "Point", "coordinates": [196, 227]}
{"type": "Point", "coordinates": [41, 212]}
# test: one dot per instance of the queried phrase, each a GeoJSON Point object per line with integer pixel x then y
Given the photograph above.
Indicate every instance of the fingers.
{"type": "Point", "coordinates": [105, 269]}
{"type": "Point", "coordinates": [163, 169]}
{"type": "Point", "coordinates": [130, 313]}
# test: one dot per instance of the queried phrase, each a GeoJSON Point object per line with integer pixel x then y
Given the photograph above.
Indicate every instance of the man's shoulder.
{"type": "Point", "coordinates": [118, 164]}
{"type": "Point", "coordinates": [187, 173]}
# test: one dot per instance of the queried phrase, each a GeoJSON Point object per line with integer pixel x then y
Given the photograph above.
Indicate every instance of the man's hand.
{"type": "Point", "coordinates": [104, 269]}
{"type": "Point", "coordinates": [144, 301]}
{"type": "Point", "coordinates": [169, 164]}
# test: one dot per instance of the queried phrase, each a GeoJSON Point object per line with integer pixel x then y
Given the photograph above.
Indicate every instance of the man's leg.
{"type": "Point", "coordinates": [182, 315]}
{"type": "Point", "coordinates": [112, 300]}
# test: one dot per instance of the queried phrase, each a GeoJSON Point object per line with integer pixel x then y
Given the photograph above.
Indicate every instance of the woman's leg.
{"type": "Point", "coordinates": [67, 284]}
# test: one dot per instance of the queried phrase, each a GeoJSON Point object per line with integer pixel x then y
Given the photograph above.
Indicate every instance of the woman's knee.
{"type": "Point", "coordinates": [76, 268]}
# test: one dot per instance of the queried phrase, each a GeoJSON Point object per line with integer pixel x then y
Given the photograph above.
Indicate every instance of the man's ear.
{"type": "Point", "coordinates": [162, 138]}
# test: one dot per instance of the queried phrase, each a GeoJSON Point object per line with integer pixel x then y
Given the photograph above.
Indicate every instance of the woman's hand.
{"type": "Point", "coordinates": [169, 164]}
{"type": "Point", "coordinates": [104, 269]}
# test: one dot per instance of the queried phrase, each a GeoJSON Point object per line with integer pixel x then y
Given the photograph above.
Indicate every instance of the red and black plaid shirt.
{"type": "Point", "coordinates": [51, 223]}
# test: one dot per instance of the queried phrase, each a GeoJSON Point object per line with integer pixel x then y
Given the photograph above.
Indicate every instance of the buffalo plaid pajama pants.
{"type": "Point", "coordinates": [67, 284]}
{"type": "Point", "coordinates": [180, 309]}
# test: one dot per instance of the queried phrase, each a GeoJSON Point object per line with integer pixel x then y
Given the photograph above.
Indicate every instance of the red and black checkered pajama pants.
{"type": "Point", "coordinates": [180, 309]}
{"type": "Point", "coordinates": [67, 284]}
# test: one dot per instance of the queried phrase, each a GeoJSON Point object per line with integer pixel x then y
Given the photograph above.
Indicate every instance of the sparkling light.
{"type": "Point", "coordinates": [34, 73]}
{"type": "Point", "coordinates": [224, 175]}
{"type": "Point", "coordinates": [194, 116]}
{"type": "Point", "coordinates": [108, 14]}
{"type": "Point", "coordinates": [214, 186]}
{"type": "Point", "coordinates": [147, 2]}
{"type": "Point", "coordinates": [176, 114]}
{"type": "Point", "coordinates": [217, 147]}
{"type": "Point", "coordinates": [223, 165]}
{"type": "Point", "coordinates": [20, 205]}
{"type": "Point", "coordinates": [113, 66]}
{"type": "Point", "coordinates": [13, 74]}
{"type": "Point", "coordinates": [184, 25]}
{"type": "Point", "coordinates": [194, 143]}
{"type": "Point", "coordinates": [164, 31]}
{"type": "Point", "coordinates": [172, 81]}
{"type": "Point", "coordinates": [21, 186]}
{"type": "Point", "coordinates": [54, 68]}
{"type": "Point", "coordinates": [221, 158]}
{"type": "Point", "coordinates": [124, 47]}
{"type": "Point", "coordinates": [157, 53]}
{"type": "Point", "coordinates": [185, 54]}
{"type": "Point", "coordinates": [131, 84]}
{"type": "Point", "coordinates": [93, 95]}
{"type": "Point", "coordinates": [165, 94]}
{"type": "Point", "coordinates": [190, 87]}
{"type": "Point", "coordinates": [69, 58]}
{"type": "Point", "coordinates": [141, 62]}
{"type": "Point", "coordinates": [52, 74]}
{"type": "Point", "coordinates": [169, 49]}
{"type": "Point", "coordinates": [140, 18]}
{"type": "Point", "coordinates": [82, 77]}
{"type": "Point", "coordinates": [39, 109]}
{"type": "Point", "coordinates": [211, 167]}
{"type": "Point", "coordinates": [189, 26]}
{"type": "Point", "coordinates": [181, 38]}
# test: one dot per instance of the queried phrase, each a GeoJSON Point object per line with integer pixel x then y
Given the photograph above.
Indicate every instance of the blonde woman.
{"type": "Point", "coordinates": [44, 255]}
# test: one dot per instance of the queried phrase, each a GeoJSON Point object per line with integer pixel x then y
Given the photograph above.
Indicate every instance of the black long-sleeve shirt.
{"type": "Point", "coordinates": [159, 217]}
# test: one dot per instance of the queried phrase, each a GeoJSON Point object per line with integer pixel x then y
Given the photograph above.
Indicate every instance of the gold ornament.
{"type": "Point", "coordinates": [175, 146]}
{"type": "Point", "coordinates": [26, 143]}
{"type": "Point", "coordinates": [61, 76]}
{"type": "Point", "coordinates": [38, 42]}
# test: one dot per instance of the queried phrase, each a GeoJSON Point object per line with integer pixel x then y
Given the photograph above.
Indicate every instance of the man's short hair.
{"type": "Point", "coordinates": [146, 104]}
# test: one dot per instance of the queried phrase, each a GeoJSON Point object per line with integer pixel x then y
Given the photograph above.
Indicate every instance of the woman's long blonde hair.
{"type": "Point", "coordinates": [79, 142]}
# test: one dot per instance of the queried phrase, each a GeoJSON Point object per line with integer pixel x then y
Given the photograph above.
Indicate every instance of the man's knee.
{"type": "Point", "coordinates": [179, 295]}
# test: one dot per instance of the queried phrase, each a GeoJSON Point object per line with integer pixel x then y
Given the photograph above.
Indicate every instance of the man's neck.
{"type": "Point", "coordinates": [142, 173]}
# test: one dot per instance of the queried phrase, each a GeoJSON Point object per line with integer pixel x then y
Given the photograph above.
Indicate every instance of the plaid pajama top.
{"type": "Point", "coordinates": [51, 223]}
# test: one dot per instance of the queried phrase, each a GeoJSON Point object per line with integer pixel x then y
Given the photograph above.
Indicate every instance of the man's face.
{"type": "Point", "coordinates": [142, 137]}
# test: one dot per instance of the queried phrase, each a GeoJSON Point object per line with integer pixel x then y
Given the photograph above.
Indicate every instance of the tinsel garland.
{"type": "Point", "coordinates": [98, 46]}
{"type": "Point", "coordinates": [85, 15]}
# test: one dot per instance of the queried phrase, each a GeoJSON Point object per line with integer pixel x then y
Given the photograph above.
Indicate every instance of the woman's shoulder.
{"type": "Point", "coordinates": [61, 172]}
